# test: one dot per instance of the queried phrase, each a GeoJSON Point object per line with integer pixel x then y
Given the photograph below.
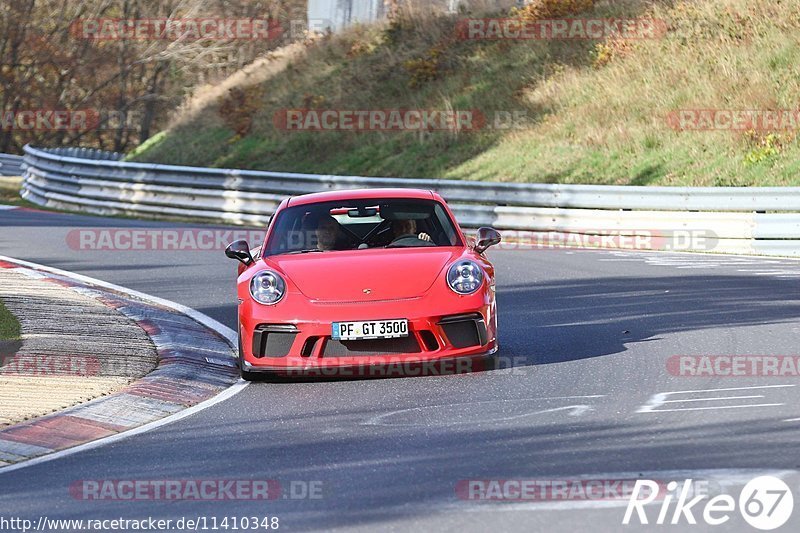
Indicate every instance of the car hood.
{"type": "Point", "coordinates": [347, 276]}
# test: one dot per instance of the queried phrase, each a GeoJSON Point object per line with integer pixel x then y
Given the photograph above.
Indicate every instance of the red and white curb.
{"type": "Point", "coordinates": [196, 369]}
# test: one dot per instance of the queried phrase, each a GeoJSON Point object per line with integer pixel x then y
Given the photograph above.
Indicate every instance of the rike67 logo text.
{"type": "Point", "coordinates": [765, 503]}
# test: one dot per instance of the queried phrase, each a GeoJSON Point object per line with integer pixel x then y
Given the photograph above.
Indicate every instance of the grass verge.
{"type": "Point", "coordinates": [9, 326]}
{"type": "Point", "coordinates": [594, 111]}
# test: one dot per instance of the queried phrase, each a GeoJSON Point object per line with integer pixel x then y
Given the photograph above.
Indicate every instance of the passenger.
{"type": "Point", "coordinates": [408, 228]}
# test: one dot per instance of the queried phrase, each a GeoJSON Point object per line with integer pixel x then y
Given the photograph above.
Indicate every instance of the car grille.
{"type": "Point", "coordinates": [334, 348]}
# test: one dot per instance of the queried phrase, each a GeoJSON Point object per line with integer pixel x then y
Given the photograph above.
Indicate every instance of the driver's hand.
{"type": "Point", "coordinates": [424, 237]}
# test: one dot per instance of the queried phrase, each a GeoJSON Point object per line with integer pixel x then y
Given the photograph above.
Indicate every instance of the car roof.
{"type": "Point", "coordinates": [359, 194]}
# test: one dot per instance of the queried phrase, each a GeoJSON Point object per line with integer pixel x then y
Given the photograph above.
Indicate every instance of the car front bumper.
{"type": "Point", "coordinates": [457, 338]}
{"type": "Point", "coordinates": [375, 367]}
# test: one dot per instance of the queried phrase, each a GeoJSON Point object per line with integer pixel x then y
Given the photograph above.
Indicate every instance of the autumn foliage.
{"type": "Point", "coordinates": [131, 86]}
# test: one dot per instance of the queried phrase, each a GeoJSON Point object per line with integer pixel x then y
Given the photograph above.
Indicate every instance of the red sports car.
{"type": "Point", "coordinates": [378, 282]}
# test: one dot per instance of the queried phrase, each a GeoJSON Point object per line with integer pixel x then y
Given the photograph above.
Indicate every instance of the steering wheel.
{"type": "Point", "coordinates": [408, 241]}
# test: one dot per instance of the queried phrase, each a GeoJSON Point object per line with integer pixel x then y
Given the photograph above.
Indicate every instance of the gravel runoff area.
{"type": "Point", "coordinates": [73, 349]}
{"type": "Point", "coordinates": [108, 360]}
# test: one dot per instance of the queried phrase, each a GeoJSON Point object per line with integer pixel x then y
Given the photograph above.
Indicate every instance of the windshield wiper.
{"type": "Point", "coordinates": [306, 251]}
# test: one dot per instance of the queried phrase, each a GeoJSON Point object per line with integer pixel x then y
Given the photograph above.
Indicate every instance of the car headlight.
{"type": "Point", "coordinates": [464, 277]}
{"type": "Point", "coordinates": [267, 287]}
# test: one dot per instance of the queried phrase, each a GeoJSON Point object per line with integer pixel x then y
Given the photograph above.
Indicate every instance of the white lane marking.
{"type": "Point", "coordinates": [684, 261]}
{"type": "Point", "coordinates": [792, 420]}
{"type": "Point", "coordinates": [659, 399]}
{"type": "Point", "coordinates": [574, 410]}
{"type": "Point", "coordinates": [675, 254]}
{"type": "Point", "coordinates": [4, 207]}
{"type": "Point", "coordinates": [207, 321]}
{"type": "Point", "coordinates": [735, 388]}
{"type": "Point", "coordinates": [761, 266]}
{"type": "Point", "coordinates": [715, 407]}
{"type": "Point", "coordinates": [753, 267]}
{"type": "Point", "coordinates": [713, 399]}
{"type": "Point", "coordinates": [698, 260]}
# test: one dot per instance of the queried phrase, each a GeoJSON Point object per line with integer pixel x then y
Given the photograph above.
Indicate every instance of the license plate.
{"type": "Point", "coordinates": [370, 329]}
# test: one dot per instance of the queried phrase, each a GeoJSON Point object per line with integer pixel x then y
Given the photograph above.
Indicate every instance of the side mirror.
{"type": "Point", "coordinates": [486, 237]}
{"type": "Point", "coordinates": [240, 251]}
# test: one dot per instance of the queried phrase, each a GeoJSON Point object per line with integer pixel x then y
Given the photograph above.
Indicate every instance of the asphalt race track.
{"type": "Point", "coordinates": [589, 335]}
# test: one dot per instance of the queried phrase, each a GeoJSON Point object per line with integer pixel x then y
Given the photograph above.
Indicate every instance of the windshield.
{"type": "Point", "coordinates": [361, 225]}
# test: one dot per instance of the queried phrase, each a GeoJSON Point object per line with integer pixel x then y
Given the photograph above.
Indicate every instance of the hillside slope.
{"type": "Point", "coordinates": [587, 111]}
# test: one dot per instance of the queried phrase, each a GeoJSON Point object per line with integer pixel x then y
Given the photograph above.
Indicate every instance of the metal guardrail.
{"type": "Point", "coordinates": [736, 220]}
{"type": "Point", "coordinates": [10, 165]}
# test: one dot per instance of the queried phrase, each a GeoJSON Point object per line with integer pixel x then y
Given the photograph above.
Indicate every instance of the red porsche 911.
{"type": "Point", "coordinates": [378, 282]}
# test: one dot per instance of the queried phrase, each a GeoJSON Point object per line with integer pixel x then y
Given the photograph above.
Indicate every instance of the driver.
{"type": "Point", "coordinates": [323, 232]}
{"type": "Point", "coordinates": [408, 228]}
{"type": "Point", "coordinates": [329, 235]}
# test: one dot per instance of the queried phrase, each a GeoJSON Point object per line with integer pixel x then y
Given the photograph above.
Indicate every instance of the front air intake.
{"type": "Point", "coordinates": [273, 340]}
{"type": "Point", "coordinates": [463, 331]}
